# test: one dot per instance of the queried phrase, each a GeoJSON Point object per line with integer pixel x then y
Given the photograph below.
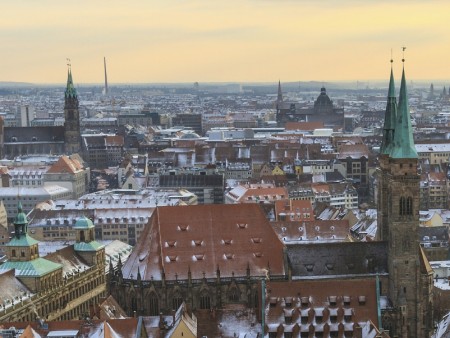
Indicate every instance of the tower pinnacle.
{"type": "Point", "coordinates": [389, 117]}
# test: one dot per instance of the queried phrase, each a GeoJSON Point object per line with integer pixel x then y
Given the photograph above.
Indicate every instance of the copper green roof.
{"type": "Point", "coordinates": [35, 268]}
{"type": "Point", "coordinates": [23, 240]}
{"type": "Point", "coordinates": [83, 223]}
{"type": "Point", "coordinates": [90, 246]}
{"type": "Point", "coordinates": [21, 217]}
{"type": "Point", "coordinates": [403, 146]}
{"type": "Point", "coordinates": [389, 118]}
{"type": "Point", "coordinates": [70, 88]}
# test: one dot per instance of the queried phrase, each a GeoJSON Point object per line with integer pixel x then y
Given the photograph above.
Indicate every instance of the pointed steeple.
{"type": "Point", "coordinates": [389, 117]}
{"type": "Point", "coordinates": [403, 136]}
{"type": "Point", "coordinates": [70, 88]}
{"type": "Point", "coordinates": [280, 93]}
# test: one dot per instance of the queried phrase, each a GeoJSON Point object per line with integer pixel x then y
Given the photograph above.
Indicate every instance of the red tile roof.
{"type": "Point", "coordinates": [203, 238]}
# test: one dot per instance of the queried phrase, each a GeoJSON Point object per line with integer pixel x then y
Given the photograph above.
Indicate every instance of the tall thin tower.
{"type": "Point", "coordinates": [105, 90]}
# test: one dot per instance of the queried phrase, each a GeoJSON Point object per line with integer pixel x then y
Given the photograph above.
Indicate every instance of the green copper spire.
{"type": "Point", "coordinates": [403, 137]}
{"type": "Point", "coordinates": [389, 118]}
{"type": "Point", "coordinates": [70, 88]}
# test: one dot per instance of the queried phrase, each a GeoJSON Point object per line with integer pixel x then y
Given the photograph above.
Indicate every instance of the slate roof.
{"type": "Point", "coordinates": [203, 238]}
{"type": "Point", "coordinates": [42, 134]}
{"type": "Point", "coordinates": [337, 259]}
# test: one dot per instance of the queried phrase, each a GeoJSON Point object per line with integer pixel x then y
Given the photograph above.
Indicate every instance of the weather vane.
{"type": "Point", "coordinates": [403, 49]}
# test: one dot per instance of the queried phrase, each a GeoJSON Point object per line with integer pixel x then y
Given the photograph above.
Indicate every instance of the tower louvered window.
{"type": "Point", "coordinates": [406, 206]}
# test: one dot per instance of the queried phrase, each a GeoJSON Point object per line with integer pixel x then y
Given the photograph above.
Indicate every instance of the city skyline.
{"type": "Point", "coordinates": [232, 41]}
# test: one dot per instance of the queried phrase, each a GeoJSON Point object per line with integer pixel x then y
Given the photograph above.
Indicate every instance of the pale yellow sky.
{"type": "Point", "coordinates": [222, 40]}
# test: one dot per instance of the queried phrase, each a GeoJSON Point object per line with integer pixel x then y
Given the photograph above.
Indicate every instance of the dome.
{"type": "Point", "coordinates": [21, 217]}
{"type": "Point", "coordinates": [83, 223]}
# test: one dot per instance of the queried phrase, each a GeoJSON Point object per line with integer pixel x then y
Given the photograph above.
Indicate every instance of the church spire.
{"type": "Point", "coordinates": [70, 88]}
{"type": "Point", "coordinates": [280, 93]}
{"type": "Point", "coordinates": [389, 117]}
{"type": "Point", "coordinates": [403, 136]}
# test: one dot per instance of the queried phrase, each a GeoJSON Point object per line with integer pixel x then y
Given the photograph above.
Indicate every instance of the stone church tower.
{"type": "Point", "coordinates": [72, 134]}
{"type": "Point", "coordinates": [410, 277]}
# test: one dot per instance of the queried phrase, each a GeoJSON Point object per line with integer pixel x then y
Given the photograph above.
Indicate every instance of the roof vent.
{"type": "Point", "coordinates": [242, 225]}
{"type": "Point", "coordinates": [256, 240]}
{"type": "Point", "coordinates": [227, 241]}
{"type": "Point", "coordinates": [258, 254]}
{"type": "Point", "coordinates": [229, 256]}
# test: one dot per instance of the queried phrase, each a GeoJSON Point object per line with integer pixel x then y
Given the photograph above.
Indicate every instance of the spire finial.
{"type": "Point", "coordinates": [403, 50]}
{"type": "Point", "coordinates": [69, 65]}
{"type": "Point", "coordinates": [392, 58]}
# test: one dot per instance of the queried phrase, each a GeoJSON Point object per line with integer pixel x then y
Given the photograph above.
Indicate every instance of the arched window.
{"type": "Point", "coordinates": [153, 304]}
{"type": "Point", "coordinates": [402, 206]}
{"type": "Point", "coordinates": [177, 300]}
{"type": "Point", "coordinates": [205, 301]}
{"type": "Point", "coordinates": [409, 206]}
{"type": "Point", "coordinates": [133, 303]}
{"type": "Point", "coordinates": [82, 238]}
{"type": "Point", "coordinates": [233, 295]}
{"type": "Point", "coordinates": [13, 253]}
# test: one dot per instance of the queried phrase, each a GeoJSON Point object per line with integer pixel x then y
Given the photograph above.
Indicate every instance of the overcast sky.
{"type": "Point", "coordinates": [222, 40]}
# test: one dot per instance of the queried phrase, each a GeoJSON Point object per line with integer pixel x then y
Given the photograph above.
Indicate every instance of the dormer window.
{"type": "Point", "coordinates": [229, 256]}
{"type": "Point", "coordinates": [227, 241]}
{"type": "Point", "coordinates": [242, 225]}
{"type": "Point", "coordinates": [256, 240]}
{"type": "Point", "coordinates": [199, 257]}
{"type": "Point", "coordinates": [198, 242]}
{"type": "Point", "coordinates": [171, 244]}
{"type": "Point", "coordinates": [183, 227]}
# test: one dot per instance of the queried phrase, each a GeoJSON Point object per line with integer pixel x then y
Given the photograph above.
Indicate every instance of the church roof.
{"type": "Point", "coordinates": [337, 259]}
{"type": "Point", "coordinates": [204, 238]}
{"type": "Point", "coordinates": [35, 268]}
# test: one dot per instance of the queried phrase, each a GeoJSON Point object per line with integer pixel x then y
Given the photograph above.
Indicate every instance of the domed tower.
{"type": "Point", "coordinates": [22, 247]}
{"type": "Point", "coordinates": [86, 245]}
{"type": "Point", "coordinates": [72, 134]}
{"type": "Point", "coordinates": [323, 103]}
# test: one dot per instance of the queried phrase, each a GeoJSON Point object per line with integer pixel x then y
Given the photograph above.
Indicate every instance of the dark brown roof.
{"type": "Point", "coordinates": [203, 238]}
{"type": "Point", "coordinates": [331, 259]}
